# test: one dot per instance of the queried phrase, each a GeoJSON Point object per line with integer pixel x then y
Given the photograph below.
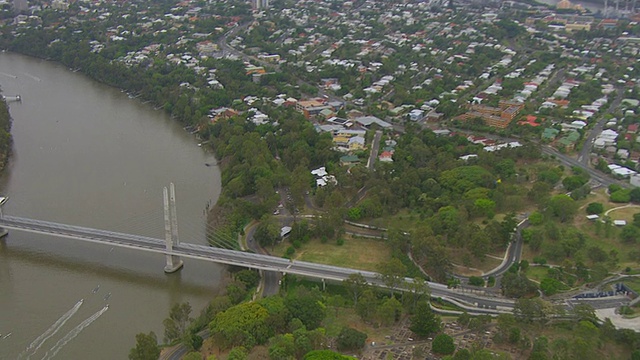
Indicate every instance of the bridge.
{"type": "Point", "coordinates": [175, 250]}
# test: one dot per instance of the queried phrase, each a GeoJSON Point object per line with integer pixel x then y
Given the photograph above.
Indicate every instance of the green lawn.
{"type": "Point", "coordinates": [633, 284]}
{"type": "Point", "coordinates": [537, 273]}
{"type": "Point", "coordinates": [357, 253]}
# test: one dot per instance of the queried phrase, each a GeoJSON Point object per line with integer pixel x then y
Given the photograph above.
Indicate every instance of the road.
{"type": "Point", "coordinates": [595, 174]}
{"type": "Point", "coordinates": [270, 279]}
{"type": "Point", "coordinates": [375, 147]}
{"type": "Point", "coordinates": [513, 253]}
{"type": "Point", "coordinates": [585, 152]}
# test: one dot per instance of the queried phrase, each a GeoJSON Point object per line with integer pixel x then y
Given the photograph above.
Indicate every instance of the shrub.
{"type": "Point", "coordinates": [539, 260]}
{"type": "Point", "coordinates": [476, 281]}
{"type": "Point", "coordinates": [620, 196]}
{"type": "Point", "coordinates": [443, 345]}
{"type": "Point", "coordinates": [595, 208]}
{"type": "Point", "coordinates": [536, 218]}
{"type": "Point", "coordinates": [351, 339]}
{"type": "Point", "coordinates": [290, 251]}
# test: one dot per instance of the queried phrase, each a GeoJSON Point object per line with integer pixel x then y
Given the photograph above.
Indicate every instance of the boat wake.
{"type": "Point", "coordinates": [52, 330]}
{"type": "Point", "coordinates": [9, 75]}
{"type": "Point", "coordinates": [73, 333]}
{"type": "Point", "coordinates": [33, 77]}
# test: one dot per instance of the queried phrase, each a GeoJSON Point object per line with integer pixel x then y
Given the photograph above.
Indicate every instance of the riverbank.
{"type": "Point", "coordinates": [5, 135]}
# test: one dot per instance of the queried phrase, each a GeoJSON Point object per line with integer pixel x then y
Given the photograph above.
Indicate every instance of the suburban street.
{"type": "Point", "coordinates": [585, 152]}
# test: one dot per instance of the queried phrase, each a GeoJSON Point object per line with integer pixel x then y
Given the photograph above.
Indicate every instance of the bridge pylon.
{"type": "Point", "coordinates": [174, 263]}
{"type": "Point", "coordinates": [3, 231]}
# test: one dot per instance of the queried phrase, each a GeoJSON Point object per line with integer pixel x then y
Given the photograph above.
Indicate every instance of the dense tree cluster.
{"type": "Point", "coordinates": [5, 133]}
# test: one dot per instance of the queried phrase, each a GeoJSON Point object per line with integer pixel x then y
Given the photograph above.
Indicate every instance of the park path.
{"type": "Point", "coordinates": [620, 207]}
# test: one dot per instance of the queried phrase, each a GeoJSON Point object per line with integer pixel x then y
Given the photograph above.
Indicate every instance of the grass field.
{"type": "Point", "coordinates": [633, 284]}
{"type": "Point", "coordinates": [357, 253]}
{"type": "Point", "coordinates": [537, 273]}
{"type": "Point", "coordinates": [624, 212]}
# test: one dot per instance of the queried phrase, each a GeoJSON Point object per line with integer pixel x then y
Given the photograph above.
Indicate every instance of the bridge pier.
{"type": "Point", "coordinates": [174, 263]}
{"type": "Point", "coordinates": [3, 232]}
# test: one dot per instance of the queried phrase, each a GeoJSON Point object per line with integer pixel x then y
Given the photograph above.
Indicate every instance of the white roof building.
{"type": "Point", "coordinates": [320, 172]}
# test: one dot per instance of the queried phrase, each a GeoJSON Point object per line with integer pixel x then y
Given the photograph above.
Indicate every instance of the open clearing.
{"type": "Point", "coordinates": [357, 253]}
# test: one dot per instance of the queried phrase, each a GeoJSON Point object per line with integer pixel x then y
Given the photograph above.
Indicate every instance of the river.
{"type": "Point", "coordinates": [86, 154]}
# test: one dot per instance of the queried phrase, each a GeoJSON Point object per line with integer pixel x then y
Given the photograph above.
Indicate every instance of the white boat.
{"type": "Point", "coordinates": [3, 199]}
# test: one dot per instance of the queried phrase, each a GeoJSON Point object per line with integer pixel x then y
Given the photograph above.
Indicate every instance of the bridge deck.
{"type": "Point", "coordinates": [225, 256]}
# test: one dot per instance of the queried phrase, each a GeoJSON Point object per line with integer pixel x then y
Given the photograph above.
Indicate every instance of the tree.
{"type": "Point", "coordinates": [392, 272]}
{"type": "Point", "coordinates": [238, 353]}
{"type": "Point", "coordinates": [462, 354]}
{"type": "Point", "coordinates": [146, 347]}
{"type": "Point", "coordinates": [485, 207]}
{"type": "Point", "coordinates": [176, 324]}
{"type": "Point", "coordinates": [630, 234]}
{"type": "Point", "coordinates": [367, 305]}
{"type": "Point", "coordinates": [193, 341]}
{"type": "Point", "coordinates": [306, 305]}
{"type": "Point", "coordinates": [443, 344]}
{"type": "Point", "coordinates": [282, 347]}
{"type": "Point", "coordinates": [562, 207]}
{"type": "Point", "coordinates": [356, 285]}
{"type": "Point", "coordinates": [595, 208]}
{"type": "Point", "coordinates": [244, 324]}
{"type": "Point", "coordinates": [620, 196]}
{"type": "Point", "coordinates": [517, 285]}
{"type": "Point", "coordinates": [418, 289]}
{"type": "Point", "coordinates": [476, 281]}
{"type": "Point", "coordinates": [571, 183]}
{"type": "Point", "coordinates": [389, 311]}
{"type": "Point", "coordinates": [530, 310]}
{"type": "Point", "coordinates": [550, 286]}
{"type": "Point", "coordinates": [536, 218]}
{"type": "Point", "coordinates": [351, 339]}
{"type": "Point", "coordinates": [268, 232]}
{"type": "Point", "coordinates": [424, 322]}
{"type": "Point", "coordinates": [194, 355]}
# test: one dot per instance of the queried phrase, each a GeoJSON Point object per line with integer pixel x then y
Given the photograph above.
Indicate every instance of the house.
{"type": "Point", "coordinates": [386, 156]}
{"type": "Point", "coordinates": [569, 140]}
{"type": "Point", "coordinates": [356, 143]}
{"type": "Point", "coordinates": [529, 120]}
{"type": "Point", "coordinates": [349, 160]}
{"type": "Point", "coordinates": [416, 115]}
{"type": "Point", "coordinates": [549, 134]}
{"type": "Point", "coordinates": [367, 121]}
{"type": "Point", "coordinates": [326, 113]}
{"type": "Point", "coordinates": [320, 172]}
